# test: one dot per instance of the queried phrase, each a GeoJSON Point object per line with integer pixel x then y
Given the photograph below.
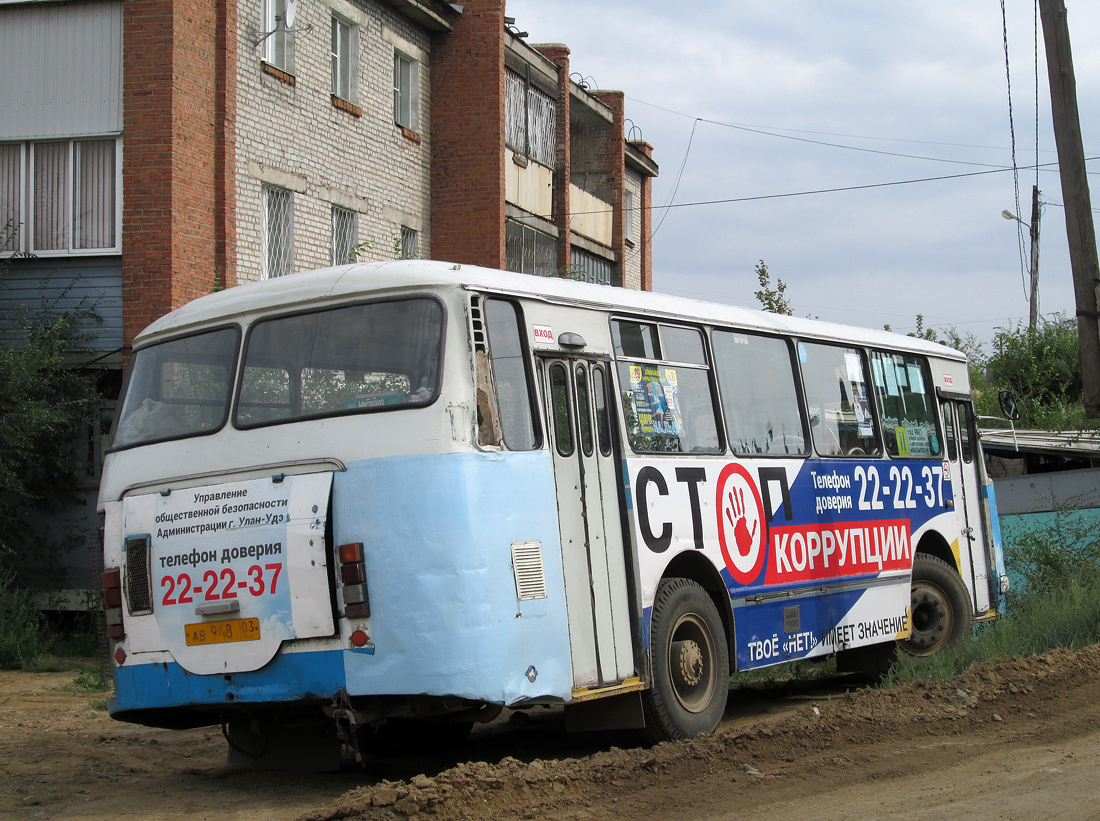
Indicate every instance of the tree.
{"type": "Point", "coordinates": [45, 404]}
{"type": "Point", "coordinates": [1042, 365]}
{"type": "Point", "coordinates": [773, 300]}
{"type": "Point", "coordinates": [924, 333]}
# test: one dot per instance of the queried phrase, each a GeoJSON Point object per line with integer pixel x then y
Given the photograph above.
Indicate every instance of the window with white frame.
{"type": "Point", "coordinates": [61, 197]}
{"type": "Point", "coordinates": [278, 47]}
{"type": "Point", "coordinates": [406, 91]}
{"type": "Point", "coordinates": [530, 119]}
{"type": "Point", "coordinates": [11, 197]}
{"type": "Point", "coordinates": [345, 235]}
{"type": "Point", "coordinates": [344, 45]}
{"type": "Point", "coordinates": [278, 231]}
{"type": "Point", "coordinates": [628, 216]}
{"type": "Point", "coordinates": [410, 243]}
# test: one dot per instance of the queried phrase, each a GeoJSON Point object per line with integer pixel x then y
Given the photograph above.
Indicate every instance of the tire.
{"type": "Point", "coordinates": [690, 664]}
{"type": "Point", "coordinates": [940, 612]}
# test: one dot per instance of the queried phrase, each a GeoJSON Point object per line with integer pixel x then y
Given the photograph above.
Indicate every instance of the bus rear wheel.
{"type": "Point", "coordinates": [940, 613]}
{"type": "Point", "coordinates": [690, 669]}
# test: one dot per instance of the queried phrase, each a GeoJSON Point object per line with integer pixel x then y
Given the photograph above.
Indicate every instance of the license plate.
{"type": "Point", "coordinates": [220, 632]}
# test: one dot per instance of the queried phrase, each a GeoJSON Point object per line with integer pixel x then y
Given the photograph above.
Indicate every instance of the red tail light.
{"type": "Point", "coordinates": [353, 578]}
{"type": "Point", "coordinates": [112, 602]}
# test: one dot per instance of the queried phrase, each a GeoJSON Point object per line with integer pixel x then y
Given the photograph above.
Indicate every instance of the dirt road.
{"type": "Point", "coordinates": [1016, 739]}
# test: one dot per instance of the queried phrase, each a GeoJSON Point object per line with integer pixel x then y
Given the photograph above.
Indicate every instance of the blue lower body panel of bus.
{"type": "Point", "coordinates": [446, 618]}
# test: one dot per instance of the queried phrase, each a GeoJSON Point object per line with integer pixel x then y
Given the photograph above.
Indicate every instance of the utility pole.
{"type": "Point", "coordinates": [1034, 256]}
{"type": "Point", "coordinates": [1075, 193]}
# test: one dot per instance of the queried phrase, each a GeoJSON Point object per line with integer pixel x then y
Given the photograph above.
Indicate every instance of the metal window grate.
{"type": "Point", "coordinates": [345, 236]}
{"type": "Point", "coordinates": [139, 595]}
{"type": "Point", "coordinates": [530, 575]}
{"type": "Point", "coordinates": [530, 119]}
{"type": "Point", "coordinates": [278, 231]}
{"type": "Point", "coordinates": [410, 243]}
{"type": "Point", "coordinates": [590, 268]}
{"type": "Point", "coordinates": [529, 251]}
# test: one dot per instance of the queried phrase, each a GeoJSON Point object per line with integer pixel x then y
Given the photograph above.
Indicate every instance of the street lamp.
{"type": "Point", "coordinates": [1033, 228]}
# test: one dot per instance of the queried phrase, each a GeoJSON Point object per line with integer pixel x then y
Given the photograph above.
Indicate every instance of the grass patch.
{"type": "Point", "coordinates": [91, 680]}
{"type": "Point", "coordinates": [1065, 613]}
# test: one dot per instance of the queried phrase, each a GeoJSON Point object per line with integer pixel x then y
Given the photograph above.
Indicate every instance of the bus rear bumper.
{"type": "Point", "coordinates": [163, 694]}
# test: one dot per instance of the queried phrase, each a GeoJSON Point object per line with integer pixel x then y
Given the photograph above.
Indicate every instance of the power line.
{"type": "Point", "coordinates": [836, 190]}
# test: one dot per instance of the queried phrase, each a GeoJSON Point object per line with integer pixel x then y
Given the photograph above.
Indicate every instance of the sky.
{"type": "Point", "coordinates": [753, 100]}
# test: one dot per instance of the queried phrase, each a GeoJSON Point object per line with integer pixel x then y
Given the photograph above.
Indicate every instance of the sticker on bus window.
{"type": "Point", "coordinates": [655, 399]}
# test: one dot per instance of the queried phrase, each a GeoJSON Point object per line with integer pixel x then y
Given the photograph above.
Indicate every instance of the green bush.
{"type": "Point", "coordinates": [23, 633]}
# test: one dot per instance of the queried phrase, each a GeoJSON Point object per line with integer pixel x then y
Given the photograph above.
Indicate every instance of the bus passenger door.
{"type": "Point", "coordinates": [963, 453]}
{"type": "Point", "coordinates": [593, 553]}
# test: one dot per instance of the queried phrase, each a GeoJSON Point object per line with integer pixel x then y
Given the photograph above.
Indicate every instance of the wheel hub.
{"type": "Point", "coordinates": [691, 661]}
{"type": "Point", "coordinates": [931, 622]}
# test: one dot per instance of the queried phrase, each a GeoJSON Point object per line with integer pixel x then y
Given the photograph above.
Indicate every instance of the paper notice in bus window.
{"type": "Point", "coordinates": [916, 381]}
{"type": "Point", "coordinates": [655, 395]}
{"type": "Point", "coordinates": [855, 371]}
{"type": "Point", "coordinates": [891, 379]}
{"type": "Point", "coordinates": [919, 442]}
{"type": "Point", "coordinates": [913, 441]}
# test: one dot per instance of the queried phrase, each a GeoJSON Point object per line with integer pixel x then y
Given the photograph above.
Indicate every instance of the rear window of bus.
{"type": "Point", "coordinates": [376, 356]}
{"type": "Point", "coordinates": [178, 388]}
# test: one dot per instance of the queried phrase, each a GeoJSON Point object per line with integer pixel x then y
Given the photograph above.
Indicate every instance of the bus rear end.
{"type": "Point", "coordinates": [301, 542]}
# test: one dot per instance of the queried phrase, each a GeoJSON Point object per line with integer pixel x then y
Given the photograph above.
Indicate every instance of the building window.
{"type": "Point", "coordinates": [61, 197]}
{"type": "Point", "coordinates": [406, 92]}
{"type": "Point", "coordinates": [628, 216]}
{"type": "Point", "coordinates": [529, 251]}
{"type": "Point", "coordinates": [590, 268]}
{"type": "Point", "coordinates": [344, 41]}
{"type": "Point", "coordinates": [530, 118]}
{"type": "Point", "coordinates": [11, 197]}
{"type": "Point", "coordinates": [345, 236]}
{"type": "Point", "coordinates": [278, 231]}
{"type": "Point", "coordinates": [410, 243]}
{"type": "Point", "coordinates": [278, 47]}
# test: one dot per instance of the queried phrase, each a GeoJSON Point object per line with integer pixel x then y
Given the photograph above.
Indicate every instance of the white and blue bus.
{"type": "Point", "coordinates": [410, 494]}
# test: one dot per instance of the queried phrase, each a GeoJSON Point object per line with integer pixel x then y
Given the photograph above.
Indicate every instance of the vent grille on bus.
{"type": "Point", "coordinates": [139, 595]}
{"type": "Point", "coordinates": [477, 324]}
{"type": "Point", "coordinates": [530, 576]}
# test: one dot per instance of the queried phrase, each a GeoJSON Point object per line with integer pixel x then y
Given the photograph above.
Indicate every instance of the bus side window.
{"type": "Point", "coordinates": [906, 405]}
{"type": "Point", "coordinates": [667, 403]}
{"type": "Point", "coordinates": [603, 416]}
{"type": "Point", "coordinates": [510, 379]}
{"type": "Point", "coordinates": [837, 395]}
{"type": "Point", "coordinates": [757, 383]}
{"type": "Point", "coordinates": [583, 410]}
{"type": "Point", "coordinates": [964, 433]}
{"type": "Point", "coordinates": [949, 431]}
{"type": "Point", "coordinates": [559, 409]}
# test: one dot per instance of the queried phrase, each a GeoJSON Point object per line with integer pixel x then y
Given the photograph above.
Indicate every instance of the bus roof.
{"type": "Point", "coordinates": [347, 281]}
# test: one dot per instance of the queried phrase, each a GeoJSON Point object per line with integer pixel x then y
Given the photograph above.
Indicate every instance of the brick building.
{"type": "Point", "coordinates": [152, 151]}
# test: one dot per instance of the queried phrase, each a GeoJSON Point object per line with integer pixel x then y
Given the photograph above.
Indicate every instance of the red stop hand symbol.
{"type": "Point", "coordinates": [735, 515]}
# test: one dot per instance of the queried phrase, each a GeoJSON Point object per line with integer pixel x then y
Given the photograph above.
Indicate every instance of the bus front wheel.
{"type": "Point", "coordinates": [940, 612]}
{"type": "Point", "coordinates": [690, 664]}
